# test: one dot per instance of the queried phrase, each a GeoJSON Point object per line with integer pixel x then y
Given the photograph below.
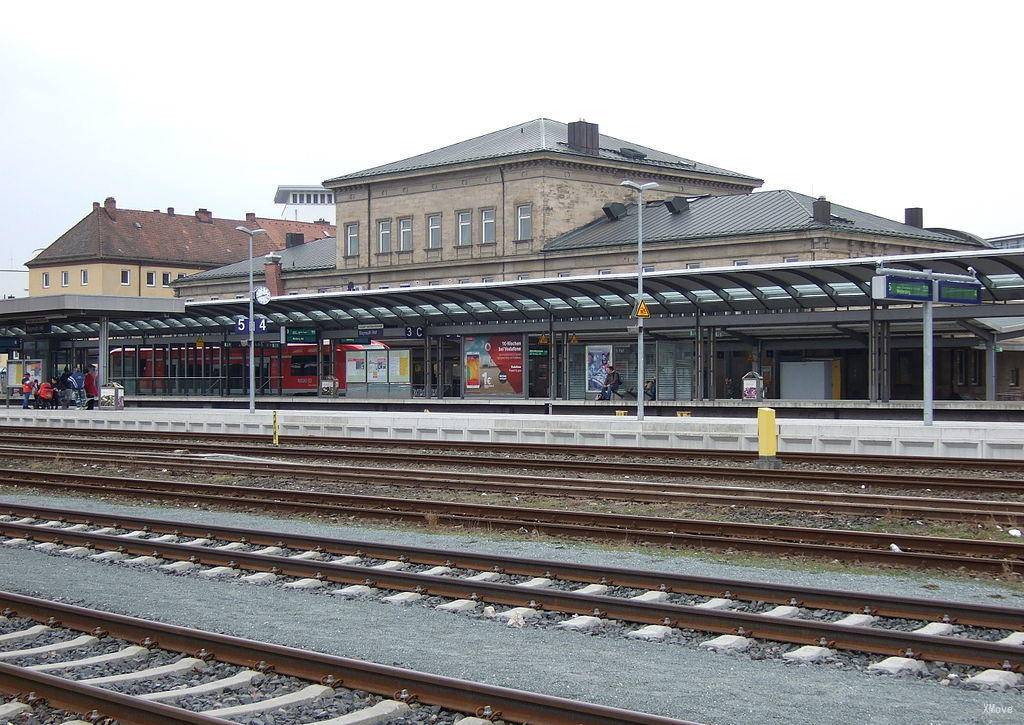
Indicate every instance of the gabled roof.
{"type": "Point", "coordinates": [760, 212]}
{"type": "Point", "coordinates": [541, 134]}
{"type": "Point", "coordinates": [154, 236]}
{"type": "Point", "coordinates": [313, 255]}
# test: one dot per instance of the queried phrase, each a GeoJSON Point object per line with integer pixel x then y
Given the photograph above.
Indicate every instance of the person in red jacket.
{"type": "Point", "coordinates": [92, 388]}
{"type": "Point", "coordinates": [44, 394]}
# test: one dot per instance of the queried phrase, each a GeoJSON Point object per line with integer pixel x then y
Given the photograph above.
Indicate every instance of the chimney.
{"type": "Point", "coordinates": [204, 215]}
{"type": "Point", "coordinates": [677, 204]}
{"type": "Point", "coordinates": [583, 137]}
{"type": "Point", "coordinates": [272, 274]}
{"type": "Point", "coordinates": [250, 217]}
{"type": "Point", "coordinates": [913, 216]}
{"type": "Point", "coordinates": [822, 210]}
{"type": "Point", "coordinates": [95, 205]}
{"type": "Point", "coordinates": [170, 211]}
{"type": "Point", "coordinates": [111, 207]}
{"type": "Point", "coordinates": [294, 239]}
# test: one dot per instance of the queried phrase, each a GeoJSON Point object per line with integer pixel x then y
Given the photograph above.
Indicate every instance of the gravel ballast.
{"type": "Point", "coordinates": [668, 680]}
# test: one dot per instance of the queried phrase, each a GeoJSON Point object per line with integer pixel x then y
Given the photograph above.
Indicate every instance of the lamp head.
{"type": "Point", "coordinates": [251, 232]}
{"type": "Point", "coordinates": [640, 187]}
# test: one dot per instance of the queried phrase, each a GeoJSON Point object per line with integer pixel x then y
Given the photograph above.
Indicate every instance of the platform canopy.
{"type": "Point", "coordinates": [779, 292]}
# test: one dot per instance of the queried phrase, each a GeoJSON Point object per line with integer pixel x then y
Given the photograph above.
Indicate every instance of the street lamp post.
{"type": "Point", "coordinates": [252, 327]}
{"type": "Point", "coordinates": [640, 189]}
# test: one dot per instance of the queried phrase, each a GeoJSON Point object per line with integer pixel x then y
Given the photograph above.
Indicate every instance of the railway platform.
{"type": "Point", "coordinates": [962, 439]}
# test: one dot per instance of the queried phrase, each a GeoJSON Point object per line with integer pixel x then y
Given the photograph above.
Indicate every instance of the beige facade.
{"type": "Point", "coordinates": [556, 195]}
{"type": "Point", "coordinates": [120, 279]}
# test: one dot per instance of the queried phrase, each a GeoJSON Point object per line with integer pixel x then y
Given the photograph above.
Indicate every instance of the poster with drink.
{"type": "Point", "coordinates": [599, 357]}
{"type": "Point", "coordinates": [494, 365]}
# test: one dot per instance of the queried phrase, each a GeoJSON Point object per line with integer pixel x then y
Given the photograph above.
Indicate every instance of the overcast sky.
{"type": "Point", "coordinates": [879, 106]}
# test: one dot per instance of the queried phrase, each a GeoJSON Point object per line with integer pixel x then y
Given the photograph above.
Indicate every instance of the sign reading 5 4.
{"type": "Point", "coordinates": [242, 325]}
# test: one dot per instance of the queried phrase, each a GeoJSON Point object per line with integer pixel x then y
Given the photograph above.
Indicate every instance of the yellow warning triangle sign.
{"type": "Point", "coordinates": [641, 310]}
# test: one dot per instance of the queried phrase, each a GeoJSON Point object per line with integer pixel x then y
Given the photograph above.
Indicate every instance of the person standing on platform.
{"type": "Point", "coordinates": [78, 378]}
{"type": "Point", "coordinates": [92, 388]}
{"type": "Point", "coordinates": [26, 390]}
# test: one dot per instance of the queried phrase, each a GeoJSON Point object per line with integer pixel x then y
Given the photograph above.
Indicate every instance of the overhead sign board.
{"type": "Point", "coordinates": [300, 334]}
{"type": "Point", "coordinates": [370, 326]}
{"type": "Point", "coordinates": [241, 326]}
{"type": "Point", "coordinates": [891, 287]}
{"type": "Point", "coordinates": [961, 293]}
{"type": "Point", "coordinates": [415, 332]}
{"type": "Point", "coordinates": [8, 344]}
{"type": "Point", "coordinates": [38, 328]}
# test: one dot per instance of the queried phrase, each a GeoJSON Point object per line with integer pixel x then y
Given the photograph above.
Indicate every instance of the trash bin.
{"type": "Point", "coordinates": [329, 387]}
{"type": "Point", "coordinates": [753, 386]}
{"type": "Point", "coordinates": [112, 397]}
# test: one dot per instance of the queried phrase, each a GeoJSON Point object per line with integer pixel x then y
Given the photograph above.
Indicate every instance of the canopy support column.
{"type": "Point", "coordinates": [990, 369]}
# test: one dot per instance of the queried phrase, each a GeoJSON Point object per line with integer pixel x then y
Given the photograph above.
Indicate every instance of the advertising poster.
{"type": "Point", "coordinates": [398, 366]}
{"type": "Point", "coordinates": [376, 366]}
{"type": "Point", "coordinates": [494, 365]}
{"type": "Point", "coordinates": [355, 366]}
{"type": "Point", "coordinates": [598, 356]}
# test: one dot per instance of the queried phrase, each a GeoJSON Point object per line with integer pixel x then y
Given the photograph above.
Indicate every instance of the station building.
{"type": "Point", "coordinates": [499, 274]}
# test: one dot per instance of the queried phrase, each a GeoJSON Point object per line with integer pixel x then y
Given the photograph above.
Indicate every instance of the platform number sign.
{"type": "Point", "coordinates": [416, 332]}
{"type": "Point", "coordinates": [241, 326]}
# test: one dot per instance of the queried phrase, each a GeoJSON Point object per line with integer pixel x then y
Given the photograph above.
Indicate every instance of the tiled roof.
{"type": "Point", "coordinates": [314, 255]}
{"type": "Point", "coordinates": [541, 134]}
{"type": "Point", "coordinates": [739, 214]}
{"type": "Point", "coordinates": [155, 236]}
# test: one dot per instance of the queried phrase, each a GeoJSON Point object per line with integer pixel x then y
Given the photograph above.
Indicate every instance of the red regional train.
{"type": "Point", "coordinates": [297, 365]}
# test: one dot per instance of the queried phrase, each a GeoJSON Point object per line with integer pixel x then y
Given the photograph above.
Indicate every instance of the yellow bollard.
{"type": "Point", "coordinates": [767, 437]}
{"type": "Point", "coordinates": [277, 430]}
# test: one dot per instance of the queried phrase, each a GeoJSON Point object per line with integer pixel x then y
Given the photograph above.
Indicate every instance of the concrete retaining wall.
{"type": "Point", "coordinates": [957, 439]}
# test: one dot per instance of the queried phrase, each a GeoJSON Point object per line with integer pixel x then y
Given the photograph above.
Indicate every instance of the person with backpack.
{"type": "Point", "coordinates": [78, 380]}
{"type": "Point", "coordinates": [45, 394]}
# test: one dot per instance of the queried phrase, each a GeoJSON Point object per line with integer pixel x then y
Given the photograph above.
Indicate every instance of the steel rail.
{"type": "Point", "coordinates": [461, 695]}
{"type": "Point", "coordinates": [798, 631]}
{"type": "Point", "coordinates": [934, 508]}
{"type": "Point", "coordinates": [675, 469]}
{"type": "Point", "coordinates": [920, 551]}
{"type": "Point", "coordinates": [981, 615]}
{"type": "Point", "coordinates": [554, 448]}
{"type": "Point", "coordinates": [81, 698]}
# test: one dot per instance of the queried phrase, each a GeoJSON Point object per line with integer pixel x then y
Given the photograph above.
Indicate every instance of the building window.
{"type": "Point", "coordinates": [433, 282]}
{"type": "Point", "coordinates": [384, 236]}
{"type": "Point", "coordinates": [46, 279]}
{"type": "Point", "coordinates": [434, 231]}
{"type": "Point", "coordinates": [330, 198]}
{"type": "Point", "coordinates": [65, 279]}
{"type": "Point", "coordinates": [604, 271]}
{"type": "Point", "coordinates": [487, 226]}
{"type": "Point", "coordinates": [523, 276]}
{"type": "Point", "coordinates": [1014, 377]}
{"type": "Point", "coordinates": [405, 235]}
{"type": "Point", "coordinates": [151, 279]}
{"type": "Point", "coordinates": [294, 197]}
{"type": "Point", "coordinates": [487, 280]}
{"type": "Point", "coordinates": [351, 240]}
{"type": "Point", "coordinates": [693, 265]}
{"type": "Point", "coordinates": [383, 286]}
{"type": "Point", "coordinates": [465, 228]}
{"type": "Point", "coordinates": [126, 277]}
{"type": "Point", "coordinates": [789, 260]}
{"type": "Point", "coordinates": [84, 276]}
{"type": "Point", "coordinates": [464, 281]}
{"type": "Point", "coordinates": [648, 268]}
{"type": "Point", "coordinates": [564, 274]}
{"type": "Point", "coordinates": [180, 275]}
{"type": "Point", "coordinates": [165, 279]}
{"type": "Point", "coordinates": [740, 262]}
{"type": "Point", "coordinates": [524, 222]}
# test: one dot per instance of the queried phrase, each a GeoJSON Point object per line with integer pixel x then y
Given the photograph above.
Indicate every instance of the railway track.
{"type": "Point", "coordinates": [855, 504]}
{"type": "Point", "coordinates": [994, 557]}
{"type": "Point", "coordinates": [287, 681]}
{"type": "Point", "coordinates": [680, 467]}
{"type": "Point", "coordinates": [467, 581]}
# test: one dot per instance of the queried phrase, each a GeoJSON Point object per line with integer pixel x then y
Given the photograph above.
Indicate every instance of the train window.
{"type": "Point", "coordinates": [302, 365]}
